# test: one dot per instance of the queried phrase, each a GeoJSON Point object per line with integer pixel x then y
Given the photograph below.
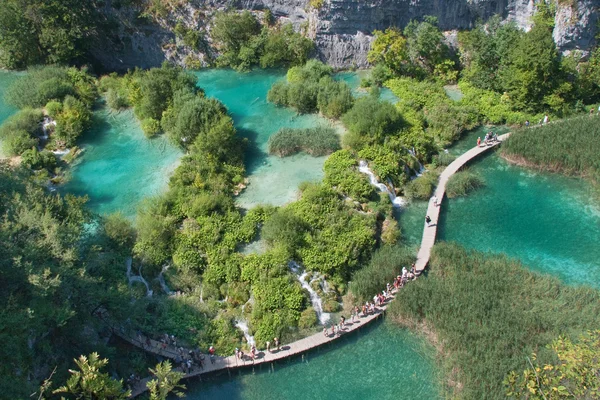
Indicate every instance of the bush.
{"type": "Point", "coordinates": [314, 141]}
{"type": "Point", "coordinates": [442, 159]}
{"type": "Point", "coordinates": [422, 187]}
{"type": "Point", "coordinates": [341, 173]}
{"type": "Point", "coordinates": [310, 88]}
{"type": "Point", "coordinates": [18, 131]}
{"type": "Point", "coordinates": [36, 160]}
{"type": "Point", "coordinates": [385, 264]}
{"type": "Point", "coordinates": [71, 122]}
{"type": "Point", "coordinates": [462, 183]}
{"type": "Point", "coordinates": [151, 127]}
{"type": "Point", "coordinates": [308, 319]}
{"type": "Point", "coordinates": [371, 121]}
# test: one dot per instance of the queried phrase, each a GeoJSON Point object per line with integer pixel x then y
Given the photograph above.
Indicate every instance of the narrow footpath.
{"type": "Point", "coordinates": [434, 210]}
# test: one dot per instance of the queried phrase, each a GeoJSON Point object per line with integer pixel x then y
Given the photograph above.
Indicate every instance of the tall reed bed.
{"type": "Point", "coordinates": [317, 141]}
{"type": "Point", "coordinates": [571, 146]}
{"type": "Point", "coordinates": [488, 314]}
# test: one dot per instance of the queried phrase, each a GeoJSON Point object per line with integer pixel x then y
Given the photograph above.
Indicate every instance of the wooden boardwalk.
{"type": "Point", "coordinates": [430, 232]}
{"type": "Point", "coordinates": [263, 357]}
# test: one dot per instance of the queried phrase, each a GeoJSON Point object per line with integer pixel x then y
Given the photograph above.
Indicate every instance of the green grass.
{"type": "Point", "coordinates": [463, 182]}
{"type": "Point", "coordinates": [570, 146]}
{"type": "Point", "coordinates": [488, 313]}
{"type": "Point", "coordinates": [317, 141]}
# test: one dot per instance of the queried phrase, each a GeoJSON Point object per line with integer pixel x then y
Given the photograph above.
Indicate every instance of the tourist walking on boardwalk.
{"type": "Point", "coordinates": [268, 345]}
{"type": "Point", "coordinates": [479, 141]}
{"type": "Point", "coordinates": [276, 342]}
{"type": "Point", "coordinates": [333, 330]}
{"type": "Point", "coordinates": [428, 220]}
{"type": "Point", "coordinates": [325, 332]}
{"type": "Point", "coordinates": [434, 199]}
{"type": "Point", "coordinates": [211, 353]}
{"type": "Point", "coordinates": [357, 312]}
{"type": "Point", "coordinates": [545, 119]}
{"type": "Point", "coordinates": [364, 310]}
{"type": "Point", "coordinates": [253, 352]}
{"type": "Point", "coordinates": [527, 123]}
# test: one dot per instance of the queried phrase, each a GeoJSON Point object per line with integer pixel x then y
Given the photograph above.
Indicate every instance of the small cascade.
{"type": "Point", "coordinates": [316, 301]}
{"type": "Point", "coordinates": [46, 125]}
{"type": "Point", "coordinates": [137, 278]}
{"type": "Point", "coordinates": [243, 326]}
{"type": "Point", "coordinates": [161, 280]}
{"type": "Point", "coordinates": [421, 167]}
{"type": "Point", "coordinates": [364, 168]}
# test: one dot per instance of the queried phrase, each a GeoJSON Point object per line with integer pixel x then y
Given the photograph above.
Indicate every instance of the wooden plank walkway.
{"type": "Point", "coordinates": [430, 232]}
{"type": "Point", "coordinates": [263, 357]}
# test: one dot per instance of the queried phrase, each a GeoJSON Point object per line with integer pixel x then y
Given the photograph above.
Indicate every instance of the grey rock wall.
{"type": "Point", "coordinates": [341, 28]}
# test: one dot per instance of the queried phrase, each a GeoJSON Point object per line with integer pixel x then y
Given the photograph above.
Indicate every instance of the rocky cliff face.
{"type": "Point", "coordinates": [341, 28]}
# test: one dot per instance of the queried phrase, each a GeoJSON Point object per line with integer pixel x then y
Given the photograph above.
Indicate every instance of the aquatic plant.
{"type": "Point", "coordinates": [463, 182]}
{"type": "Point", "coordinates": [317, 141]}
{"type": "Point", "coordinates": [568, 146]}
{"type": "Point", "coordinates": [488, 313]}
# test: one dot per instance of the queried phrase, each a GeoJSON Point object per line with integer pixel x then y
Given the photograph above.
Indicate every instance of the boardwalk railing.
{"type": "Point", "coordinates": [434, 210]}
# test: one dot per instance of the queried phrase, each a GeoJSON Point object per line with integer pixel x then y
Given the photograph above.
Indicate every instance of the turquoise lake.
{"type": "Point", "coordinates": [6, 78]}
{"type": "Point", "coordinates": [120, 167]}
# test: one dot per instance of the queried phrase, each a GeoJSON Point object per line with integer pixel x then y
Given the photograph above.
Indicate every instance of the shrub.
{"type": "Point", "coordinates": [442, 159]}
{"type": "Point", "coordinates": [341, 173]}
{"type": "Point", "coordinates": [36, 160]}
{"type": "Point", "coordinates": [71, 122]}
{"type": "Point", "coordinates": [18, 131]}
{"type": "Point", "coordinates": [151, 127]}
{"type": "Point", "coordinates": [314, 141]}
{"type": "Point", "coordinates": [422, 187]}
{"type": "Point", "coordinates": [370, 121]}
{"type": "Point", "coordinates": [308, 318]}
{"type": "Point", "coordinates": [462, 183]}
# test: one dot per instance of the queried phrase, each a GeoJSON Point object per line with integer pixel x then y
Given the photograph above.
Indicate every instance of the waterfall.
{"type": "Point", "coordinates": [161, 280]}
{"type": "Point", "coordinates": [137, 278]}
{"type": "Point", "coordinates": [421, 167]}
{"type": "Point", "coordinates": [48, 122]}
{"type": "Point", "coordinates": [316, 301]}
{"type": "Point", "coordinates": [243, 326]}
{"type": "Point", "coordinates": [364, 168]}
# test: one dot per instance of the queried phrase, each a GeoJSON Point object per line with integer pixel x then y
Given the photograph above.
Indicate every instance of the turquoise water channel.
{"type": "Point", "coordinates": [6, 78]}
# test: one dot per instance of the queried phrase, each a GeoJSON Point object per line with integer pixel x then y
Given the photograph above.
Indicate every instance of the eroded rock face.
{"type": "Point", "coordinates": [341, 28]}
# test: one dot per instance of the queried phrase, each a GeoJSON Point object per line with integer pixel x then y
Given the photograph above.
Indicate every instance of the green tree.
{"type": "Point", "coordinates": [573, 375]}
{"type": "Point", "coordinates": [90, 383]}
{"type": "Point", "coordinates": [426, 47]}
{"type": "Point", "coordinates": [389, 48]}
{"type": "Point", "coordinates": [166, 381]}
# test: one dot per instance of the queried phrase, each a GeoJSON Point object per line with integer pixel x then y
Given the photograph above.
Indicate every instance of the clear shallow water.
{"type": "Point", "coordinates": [273, 180]}
{"type": "Point", "coordinates": [120, 166]}
{"type": "Point", "coordinates": [380, 362]}
{"type": "Point", "coordinates": [548, 221]}
{"type": "Point", "coordinates": [353, 78]}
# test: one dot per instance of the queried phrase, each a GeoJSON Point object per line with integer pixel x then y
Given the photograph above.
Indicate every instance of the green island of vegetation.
{"type": "Point", "coordinates": [60, 264]}
{"type": "Point", "coordinates": [314, 141]}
